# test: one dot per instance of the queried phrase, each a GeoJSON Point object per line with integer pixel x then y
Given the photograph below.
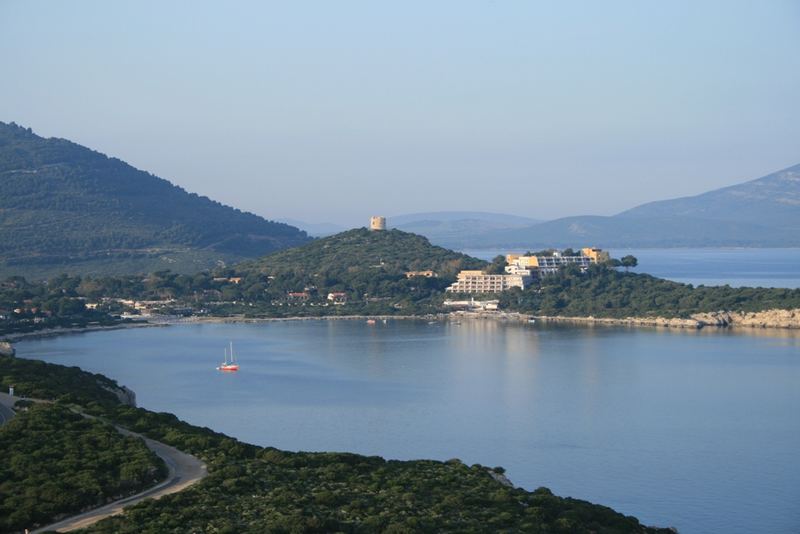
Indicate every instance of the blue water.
{"type": "Point", "coordinates": [763, 267]}
{"type": "Point", "coordinates": [696, 430]}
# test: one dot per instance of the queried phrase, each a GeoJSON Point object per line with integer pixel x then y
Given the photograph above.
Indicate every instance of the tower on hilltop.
{"type": "Point", "coordinates": [377, 223]}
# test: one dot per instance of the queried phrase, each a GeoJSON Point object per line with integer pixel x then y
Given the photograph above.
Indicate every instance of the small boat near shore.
{"type": "Point", "coordinates": [229, 365]}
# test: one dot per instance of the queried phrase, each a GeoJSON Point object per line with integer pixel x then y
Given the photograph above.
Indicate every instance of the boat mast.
{"type": "Point", "coordinates": [232, 358]}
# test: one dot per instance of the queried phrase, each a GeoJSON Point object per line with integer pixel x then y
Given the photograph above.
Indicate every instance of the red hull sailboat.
{"type": "Point", "coordinates": [227, 365]}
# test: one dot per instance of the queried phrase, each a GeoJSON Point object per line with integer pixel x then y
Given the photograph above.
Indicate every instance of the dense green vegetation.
{"type": "Point", "coordinates": [606, 292]}
{"type": "Point", "coordinates": [27, 306]}
{"type": "Point", "coordinates": [255, 489]}
{"type": "Point", "coordinates": [40, 380]}
{"type": "Point", "coordinates": [57, 462]}
{"type": "Point", "coordinates": [62, 205]}
{"type": "Point", "coordinates": [289, 492]}
{"type": "Point", "coordinates": [362, 272]}
{"type": "Point", "coordinates": [368, 267]}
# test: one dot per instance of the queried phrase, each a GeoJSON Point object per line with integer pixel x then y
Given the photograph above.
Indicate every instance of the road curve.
{"type": "Point", "coordinates": [184, 471]}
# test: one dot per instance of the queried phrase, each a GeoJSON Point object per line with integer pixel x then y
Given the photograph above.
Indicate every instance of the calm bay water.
{"type": "Point", "coordinates": [762, 267]}
{"type": "Point", "coordinates": [697, 430]}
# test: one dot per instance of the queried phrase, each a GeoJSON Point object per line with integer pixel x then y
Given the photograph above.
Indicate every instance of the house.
{"type": "Point", "coordinates": [425, 274]}
{"type": "Point", "coordinates": [337, 297]}
{"type": "Point", "coordinates": [231, 280]}
{"type": "Point", "coordinates": [472, 304]}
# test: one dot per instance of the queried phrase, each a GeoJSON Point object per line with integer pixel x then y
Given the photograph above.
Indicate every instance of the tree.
{"type": "Point", "coordinates": [629, 261]}
{"type": "Point", "coordinates": [498, 265]}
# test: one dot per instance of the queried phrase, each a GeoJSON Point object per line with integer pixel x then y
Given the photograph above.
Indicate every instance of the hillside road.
{"type": "Point", "coordinates": [184, 471]}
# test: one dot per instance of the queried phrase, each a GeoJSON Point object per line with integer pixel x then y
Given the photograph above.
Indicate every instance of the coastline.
{"type": "Point", "coordinates": [53, 332]}
{"type": "Point", "coordinates": [739, 321]}
{"type": "Point", "coordinates": [767, 319]}
{"type": "Point", "coordinates": [240, 319]}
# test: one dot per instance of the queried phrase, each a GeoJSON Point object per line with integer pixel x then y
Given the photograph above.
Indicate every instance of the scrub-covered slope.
{"type": "Point", "coordinates": [64, 207]}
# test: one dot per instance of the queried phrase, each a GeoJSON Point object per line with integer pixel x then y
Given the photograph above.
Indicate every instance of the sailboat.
{"type": "Point", "coordinates": [229, 365]}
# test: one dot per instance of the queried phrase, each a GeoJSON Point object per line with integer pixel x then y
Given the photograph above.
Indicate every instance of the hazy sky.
{"type": "Point", "coordinates": [334, 110]}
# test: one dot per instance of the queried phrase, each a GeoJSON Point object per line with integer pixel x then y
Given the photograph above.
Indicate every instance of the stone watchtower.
{"type": "Point", "coordinates": [377, 223]}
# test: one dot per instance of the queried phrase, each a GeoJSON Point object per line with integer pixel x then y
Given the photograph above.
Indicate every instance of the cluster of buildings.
{"type": "Point", "coordinates": [521, 270]}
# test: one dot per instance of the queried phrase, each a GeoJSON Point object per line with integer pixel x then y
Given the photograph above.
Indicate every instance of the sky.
{"type": "Point", "coordinates": [331, 111]}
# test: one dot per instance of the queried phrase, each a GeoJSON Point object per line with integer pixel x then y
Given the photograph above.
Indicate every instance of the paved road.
{"type": "Point", "coordinates": [184, 470]}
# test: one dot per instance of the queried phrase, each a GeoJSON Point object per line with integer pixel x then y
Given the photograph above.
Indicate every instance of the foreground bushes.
{"type": "Point", "coordinates": [57, 462]}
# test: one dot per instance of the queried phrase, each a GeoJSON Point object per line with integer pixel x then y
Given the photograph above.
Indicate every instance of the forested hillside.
{"type": "Point", "coordinates": [606, 292]}
{"type": "Point", "coordinates": [370, 267]}
{"type": "Point", "coordinates": [64, 207]}
{"type": "Point", "coordinates": [56, 462]}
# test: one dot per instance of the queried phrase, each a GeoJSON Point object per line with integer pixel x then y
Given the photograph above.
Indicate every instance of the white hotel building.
{"type": "Point", "coordinates": [520, 270]}
{"type": "Point", "coordinates": [480, 282]}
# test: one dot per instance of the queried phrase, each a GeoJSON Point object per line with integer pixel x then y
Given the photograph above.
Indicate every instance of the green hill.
{"type": "Point", "coordinates": [360, 251]}
{"type": "Point", "coordinates": [369, 266]}
{"type": "Point", "coordinates": [66, 208]}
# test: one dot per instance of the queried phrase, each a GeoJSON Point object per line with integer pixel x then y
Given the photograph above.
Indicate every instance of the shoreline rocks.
{"type": "Point", "coordinates": [784, 319]}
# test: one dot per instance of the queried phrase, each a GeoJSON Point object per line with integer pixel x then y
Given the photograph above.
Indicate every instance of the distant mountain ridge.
{"type": "Point", "coordinates": [64, 207]}
{"type": "Point", "coordinates": [764, 212]}
{"type": "Point", "coordinates": [499, 219]}
{"type": "Point", "coordinates": [456, 229]}
{"type": "Point", "coordinates": [770, 200]}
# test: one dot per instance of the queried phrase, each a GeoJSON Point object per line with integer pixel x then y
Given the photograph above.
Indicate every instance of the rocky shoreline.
{"type": "Point", "coordinates": [779, 319]}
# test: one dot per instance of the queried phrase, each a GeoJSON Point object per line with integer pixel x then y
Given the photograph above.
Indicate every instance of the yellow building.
{"type": "Point", "coordinates": [597, 255]}
{"type": "Point", "coordinates": [523, 262]}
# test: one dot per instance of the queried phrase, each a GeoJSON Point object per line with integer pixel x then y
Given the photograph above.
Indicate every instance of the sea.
{"type": "Point", "coordinates": [697, 430]}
